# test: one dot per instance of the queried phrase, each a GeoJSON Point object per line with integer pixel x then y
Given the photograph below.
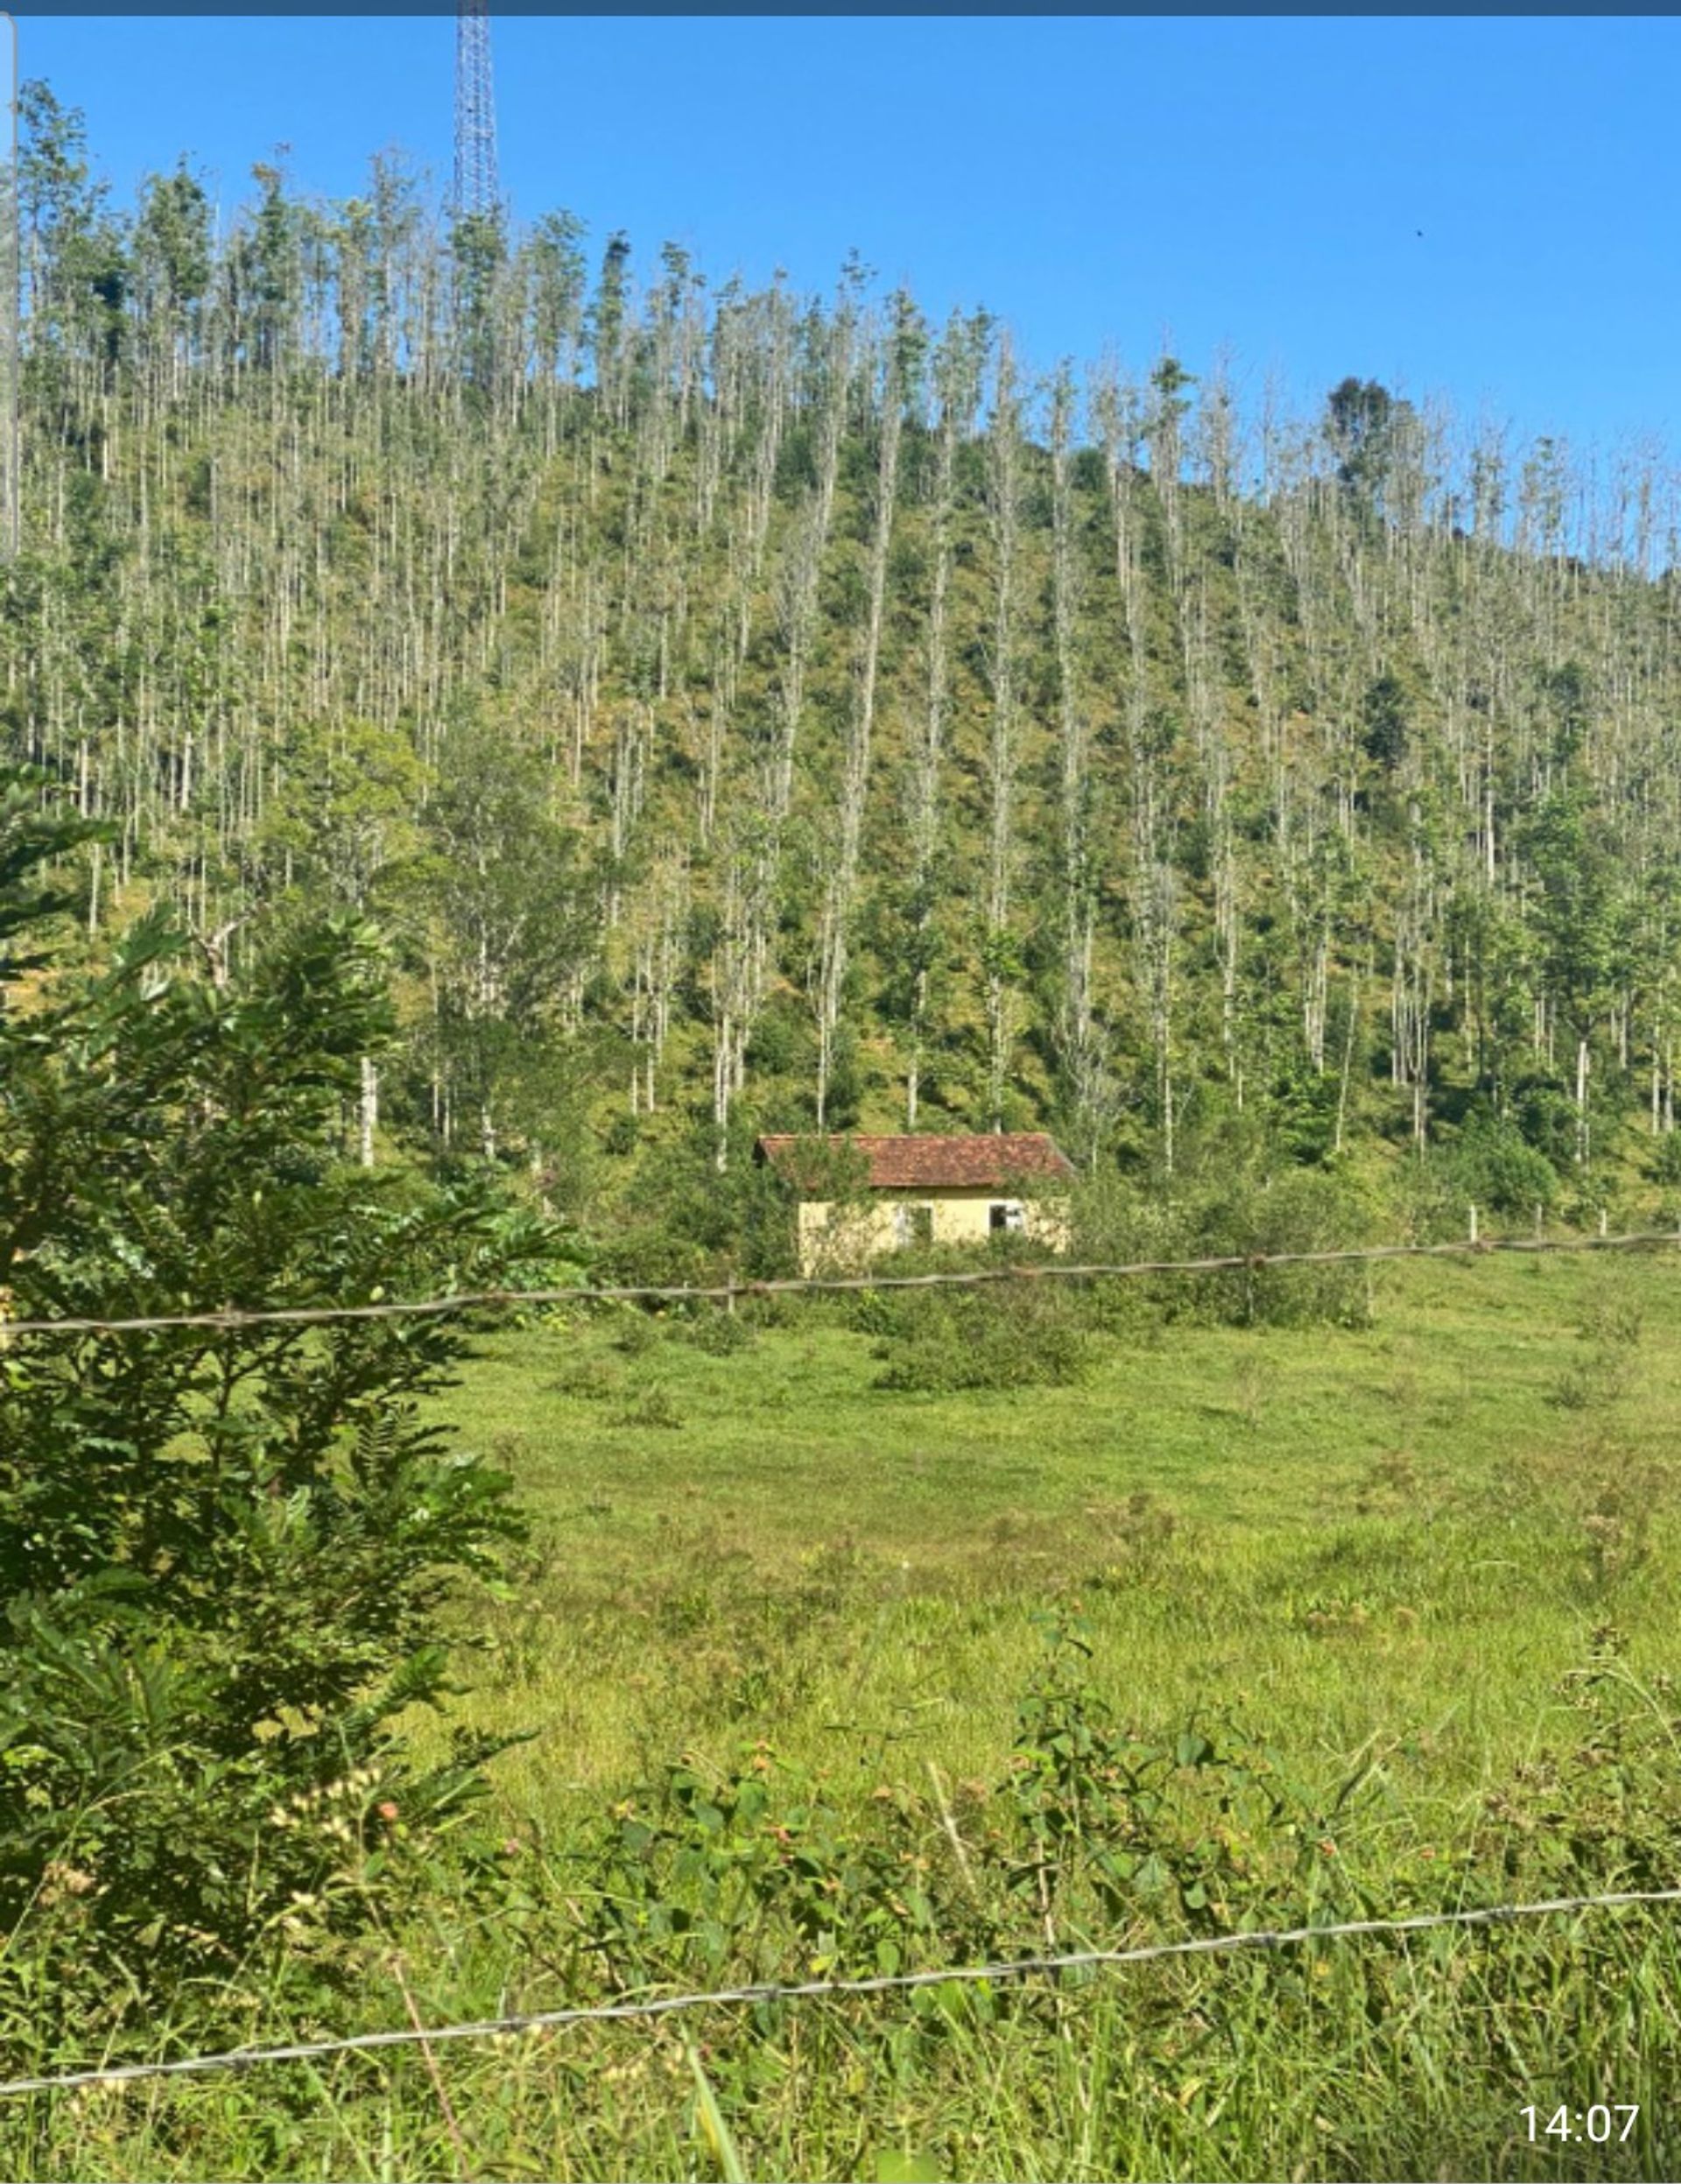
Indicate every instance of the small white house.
{"type": "Point", "coordinates": [922, 1190]}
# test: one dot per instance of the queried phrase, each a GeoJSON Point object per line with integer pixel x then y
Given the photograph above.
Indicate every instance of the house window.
{"type": "Point", "coordinates": [913, 1226]}
{"type": "Point", "coordinates": [1006, 1216]}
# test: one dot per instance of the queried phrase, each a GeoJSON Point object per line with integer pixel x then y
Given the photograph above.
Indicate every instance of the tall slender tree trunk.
{"type": "Point", "coordinates": [1004, 456]}
{"type": "Point", "coordinates": [370, 1110]}
{"type": "Point", "coordinates": [835, 916]}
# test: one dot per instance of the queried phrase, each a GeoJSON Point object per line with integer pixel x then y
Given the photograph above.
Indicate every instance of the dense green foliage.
{"type": "Point", "coordinates": [749, 712]}
{"type": "Point", "coordinates": [223, 1553]}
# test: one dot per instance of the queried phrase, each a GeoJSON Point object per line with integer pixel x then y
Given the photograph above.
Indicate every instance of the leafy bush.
{"type": "Point", "coordinates": [1492, 1166]}
{"type": "Point", "coordinates": [1547, 1119]}
{"type": "Point", "coordinates": [779, 1309]}
{"type": "Point", "coordinates": [638, 1331]}
{"type": "Point", "coordinates": [707, 1868]}
{"type": "Point", "coordinates": [715, 1333]}
{"type": "Point", "coordinates": [1300, 1209]}
{"type": "Point", "coordinates": [223, 1552]}
{"type": "Point", "coordinates": [1512, 1175]}
{"type": "Point", "coordinates": [1016, 1335]}
{"type": "Point", "coordinates": [685, 1220]}
{"type": "Point", "coordinates": [1496, 1166]}
{"type": "Point", "coordinates": [1613, 1785]}
{"type": "Point", "coordinates": [1246, 1206]}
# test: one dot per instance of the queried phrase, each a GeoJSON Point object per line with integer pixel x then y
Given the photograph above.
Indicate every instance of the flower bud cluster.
{"type": "Point", "coordinates": [316, 1809]}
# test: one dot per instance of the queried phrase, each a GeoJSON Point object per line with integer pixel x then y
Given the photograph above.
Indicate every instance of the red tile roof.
{"type": "Point", "coordinates": [994, 1162]}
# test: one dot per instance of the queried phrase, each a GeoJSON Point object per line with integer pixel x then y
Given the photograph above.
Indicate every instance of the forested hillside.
{"type": "Point", "coordinates": [745, 712]}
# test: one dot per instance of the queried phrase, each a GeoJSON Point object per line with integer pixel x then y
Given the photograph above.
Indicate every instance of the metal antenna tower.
{"type": "Point", "coordinates": [477, 193]}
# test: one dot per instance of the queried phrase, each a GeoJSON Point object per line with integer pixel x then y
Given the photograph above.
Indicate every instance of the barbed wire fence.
{"type": "Point", "coordinates": [1006, 1970]}
{"type": "Point", "coordinates": [741, 1288]}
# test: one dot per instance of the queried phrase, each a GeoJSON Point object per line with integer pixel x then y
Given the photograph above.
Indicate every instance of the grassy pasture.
{"type": "Point", "coordinates": [780, 1636]}
{"type": "Point", "coordinates": [1405, 1532]}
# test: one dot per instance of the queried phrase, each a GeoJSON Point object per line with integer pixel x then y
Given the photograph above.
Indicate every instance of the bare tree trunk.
{"type": "Point", "coordinates": [957, 373]}
{"type": "Point", "coordinates": [1004, 455]}
{"type": "Point", "coordinates": [1581, 1098]}
{"type": "Point", "coordinates": [370, 1109]}
{"type": "Point", "coordinates": [1082, 1043]}
{"type": "Point", "coordinates": [835, 915]}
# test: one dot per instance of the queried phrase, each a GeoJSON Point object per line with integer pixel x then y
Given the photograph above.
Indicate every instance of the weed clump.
{"type": "Point", "coordinates": [586, 1380]}
{"type": "Point", "coordinates": [1141, 1536]}
{"type": "Point", "coordinates": [716, 1334]}
{"type": "Point", "coordinates": [655, 1408]}
{"type": "Point", "coordinates": [1616, 1523]}
{"type": "Point", "coordinates": [940, 1342]}
{"type": "Point", "coordinates": [638, 1333]}
{"type": "Point", "coordinates": [1599, 1376]}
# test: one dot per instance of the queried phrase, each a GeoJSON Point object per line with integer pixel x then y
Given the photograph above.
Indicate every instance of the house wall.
{"type": "Point", "coordinates": [833, 1237]}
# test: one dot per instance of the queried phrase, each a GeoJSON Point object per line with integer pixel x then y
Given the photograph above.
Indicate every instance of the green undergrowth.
{"type": "Point", "coordinates": [1237, 1628]}
{"type": "Point", "coordinates": [1391, 2054]}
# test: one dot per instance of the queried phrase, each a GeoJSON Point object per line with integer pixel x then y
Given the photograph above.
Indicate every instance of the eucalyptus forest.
{"type": "Point", "coordinates": [745, 711]}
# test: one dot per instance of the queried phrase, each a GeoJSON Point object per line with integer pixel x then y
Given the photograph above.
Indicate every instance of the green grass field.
{"type": "Point", "coordinates": [1406, 1532]}
{"type": "Point", "coordinates": [779, 1640]}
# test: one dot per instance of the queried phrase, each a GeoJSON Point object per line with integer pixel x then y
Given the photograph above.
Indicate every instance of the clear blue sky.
{"type": "Point", "coordinates": [1255, 182]}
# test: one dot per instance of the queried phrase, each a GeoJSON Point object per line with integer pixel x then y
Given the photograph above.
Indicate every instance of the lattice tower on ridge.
{"type": "Point", "coordinates": [477, 191]}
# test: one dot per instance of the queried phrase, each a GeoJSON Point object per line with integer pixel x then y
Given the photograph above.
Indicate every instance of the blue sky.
{"type": "Point", "coordinates": [1099, 182]}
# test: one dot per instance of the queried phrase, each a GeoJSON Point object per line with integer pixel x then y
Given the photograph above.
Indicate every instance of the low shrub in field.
{"type": "Point", "coordinates": [1018, 1334]}
{"type": "Point", "coordinates": [656, 1407]}
{"type": "Point", "coordinates": [638, 1331]}
{"type": "Point", "coordinates": [715, 1332]}
{"type": "Point", "coordinates": [1246, 1210]}
{"type": "Point", "coordinates": [586, 1380]}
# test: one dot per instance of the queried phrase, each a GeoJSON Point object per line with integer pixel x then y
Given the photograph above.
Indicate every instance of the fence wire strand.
{"type": "Point", "coordinates": [817, 1989]}
{"type": "Point", "coordinates": [729, 1292]}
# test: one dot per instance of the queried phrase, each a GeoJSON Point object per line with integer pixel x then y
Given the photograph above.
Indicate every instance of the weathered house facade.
{"type": "Point", "coordinates": [919, 1190]}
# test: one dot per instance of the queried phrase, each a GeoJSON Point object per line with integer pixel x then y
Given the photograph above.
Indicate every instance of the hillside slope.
{"type": "Point", "coordinates": [748, 713]}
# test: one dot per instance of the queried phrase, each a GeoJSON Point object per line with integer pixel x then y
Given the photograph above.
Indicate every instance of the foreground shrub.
{"type": "Point", "coordinates": [223, 1551]}
{"type": "Point", "coordinates": [1094, 1829]}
